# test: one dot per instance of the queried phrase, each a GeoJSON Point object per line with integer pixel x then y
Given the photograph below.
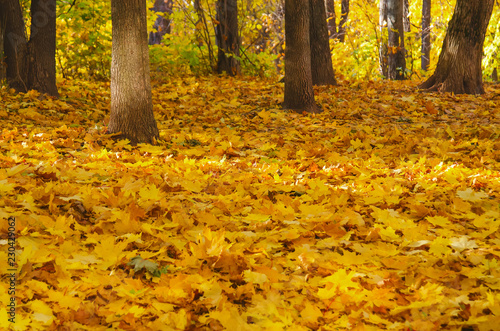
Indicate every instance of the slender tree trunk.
{"type": "Point", "coordinates": [426, 34]}
{"type": "Point", "coordinates": [227, 37]}
{"type": "Point", "coordinates": [162, 24]}
{"type": "Point", "coordinates": [406, 16]}
{"type": "Point", "coordinates": [332, 19]}
{"type": "Point", "coordinates": [299, 94]}
{"type": "Point", "coordinates": [202, 34]}
{"type": "Point", "coordinates": [199, 21]}
{"type": "Point", "coordinates": [321, 57]}
{"type": "Point", "coordinates": [344, 14]}
{"type": "Point", "coordinates": [131, 101]}
{"type": "Point", "coordinates": [382, 21]}
{"type": "Point", "coordinates": [395, 46]}
{"type": "Point", "coordinates": [459, 66]}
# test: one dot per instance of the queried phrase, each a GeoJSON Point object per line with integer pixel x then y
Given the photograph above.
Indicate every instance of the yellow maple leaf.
{"type": "Point", "coordinates": [310, 313]}
{"type": "Point", "coordinates": [193, 186]}
{"type": "Point", "coordinates": [462, 243]}
{"type": "Point", "coordinates": [264, 114]}
{"type": "Point", "coordinates": [109, 251]}
{"type": "Point", "coordinates": [470, 195]}
{"type": "Point", "coordinates": [439, 246]}
{"type": "Point", "coordinates": [5, 186]}
{"type": "Point", "coordinates": [342, 280]}
{"type": "Point", "coordinates": [255, 277]}
{"type": "Point", "coordinates": [438, 221]}
{"type": "Point", "coordinates": [150, 192]}
{"type": "Point", "coordinates": [41, 311]}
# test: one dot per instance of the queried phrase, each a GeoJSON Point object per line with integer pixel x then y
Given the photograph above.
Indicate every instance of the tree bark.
{"type": "Point", "coordinates": [406, 16]}
{"type": "Point", "coordinates": [459, 66]}
{"type": "Point", "coordinates": [396, 47]}
{"type": "Point", "coordinates": [131, 101]}
{"type": "Point", "coordinates": [321, 57]}
{"type": "Point", "coordinates": [31, 65]}
{"type": "Point", "coordinates": [382, 52]}
{"type": "Point", "coordinates": [331, 18]}
{"type": "Point", "coordinates": [162, 24]}
{"type": "Point", "coordinates": [42, 47]}
{"type": "Point", "coordinates": [426, 34]}
{"type": "Point", "coordinates": [344, 13]}
{"type": "Point", "coordinates": [15, 46]}
{"type": "Point", "coordinates": [227, 37]}
{"type": "Point", "coordinates": [299, 94]}
{"type": "Point", "coordinates": [494, 75]}
{"type": "Point", "coordinates": [3, 23]}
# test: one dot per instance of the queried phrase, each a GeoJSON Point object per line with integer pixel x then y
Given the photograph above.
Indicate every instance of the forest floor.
{"type": "Point", "coordinates": [383, 212]}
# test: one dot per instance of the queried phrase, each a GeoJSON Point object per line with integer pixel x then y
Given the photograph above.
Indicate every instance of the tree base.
{"type": "Point", "coordinates": [135, 138]}
{"type": "Point", "coordinates": [459, 66]}
{"type": "Point", "coordinates": [313, 109]}
{"type": "Point", "coordinates": [452, 84]}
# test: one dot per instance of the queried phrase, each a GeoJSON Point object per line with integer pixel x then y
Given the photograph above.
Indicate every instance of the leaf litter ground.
{"type": "Point", "coordinates": [380, 213]}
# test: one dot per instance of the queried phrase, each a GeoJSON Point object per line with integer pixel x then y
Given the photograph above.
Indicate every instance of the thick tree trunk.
{"type": "Point", "coordinates": [162, 24]}
{"type": "Point", "coordinates": [396, 47]}
{"type": "Point", "coordinates": [299, 94]}
{"type": "Point", "coordinates": [459, 66]}
{"type": "Point", "coordinates": [31, 64]}
{"type": "Point", "coordinates": [227, 38]}
{"type": "Point", "coordinates": [331, 18]}
{"type": "Point", "coordinates": [426, 34]}
{"type": "Point", "coordinates": [344, 14]}
{"type": "Point", "coordinates": [42, 47]}
{"type": "Point", "coordinates": [382, 51]}
{"type": "Point", "coordinates": [131, 100]}
{"type": "Point", "coordinates": [321, 57]}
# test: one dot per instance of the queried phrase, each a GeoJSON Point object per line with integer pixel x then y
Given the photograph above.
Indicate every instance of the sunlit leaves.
{"type": "Point", "coordinates": [376, 214]}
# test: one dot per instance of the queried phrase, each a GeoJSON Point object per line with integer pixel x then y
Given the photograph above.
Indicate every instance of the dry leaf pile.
{"type": "Point", "coordinates": [380, 213]}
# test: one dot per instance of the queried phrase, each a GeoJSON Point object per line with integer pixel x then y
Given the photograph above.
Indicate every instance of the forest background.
{"type": "Point", "coordinates": [380, 213]}
{"type": "Point", "coordinates": [84, 39]}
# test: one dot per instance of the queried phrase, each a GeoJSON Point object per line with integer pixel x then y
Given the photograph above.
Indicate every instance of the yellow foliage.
{"type": "Point", "coordinates": [376, 214]}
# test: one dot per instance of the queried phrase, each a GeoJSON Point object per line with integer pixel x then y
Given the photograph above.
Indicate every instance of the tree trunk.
{"type": "Point", "coordinates": [406, 16]}
{"type": "Point", "coordinates": [459, 66]}
{"type": "Point", "coordinates": [162, 24]}
{"type": "Point", "coordinates": [332, 19]}
{"type": "Point", "coordinates": [382, 52]}
{"type": "Point", "coordinates": [299, 94]}
{"type": "Point", "coordinates": [321, 58]}
{"type": "Point", "coordinates": [3, 23]}
{"type": "Point", "coordinates": [343, 20]}
{"type": "Point", "coordinates": [31, 64]}
{"type": "Point", "coordinates": [426, 34]}
{"type": "Point", "coordinates": [227, 38]}
{"type": "Point", "coordinates": [15, 46]}
{"type": "Point", "coordinates": [131, 101]}
{"type": "Point", "coordinates": [396, 47]}
{"type": "Point", "coordinates": [494, 75]}
{"type": "Point", "coordinates": [42, 47]}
